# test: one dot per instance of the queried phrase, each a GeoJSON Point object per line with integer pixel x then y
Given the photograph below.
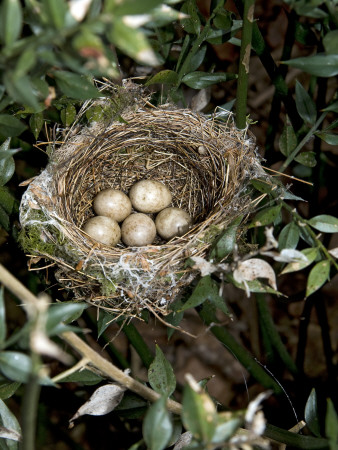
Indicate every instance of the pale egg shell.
{"type": "Point", "coordinates": [103, 229]}
{"type": "Point", "coordinates": [149, 196]}
{"type": "Point", "coordinates": [137, 230]}
{"type": "Point", "coordinates": [171, 222]}
{"type": "Point", "coordinates": [112, 203]}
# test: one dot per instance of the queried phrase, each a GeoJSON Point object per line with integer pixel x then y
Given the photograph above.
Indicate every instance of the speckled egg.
{"type": "Point", "coordinates": [103, 229]}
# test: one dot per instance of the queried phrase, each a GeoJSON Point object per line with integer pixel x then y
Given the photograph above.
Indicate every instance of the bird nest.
{"type": "Point", "coordinates": [203, 160]}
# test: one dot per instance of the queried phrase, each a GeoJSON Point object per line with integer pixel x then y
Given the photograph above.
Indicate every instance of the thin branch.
{"type": "Point", "coordinates": [116, 374]}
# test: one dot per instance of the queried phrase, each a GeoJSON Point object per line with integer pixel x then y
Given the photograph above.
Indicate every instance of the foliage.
{"type": "Point", "coordinates": [50, 52]}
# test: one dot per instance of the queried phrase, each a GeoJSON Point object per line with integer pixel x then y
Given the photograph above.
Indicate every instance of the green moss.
{"type": "Point", "coordinates": [31, 240]}
{"type": "Point", "coordinates": [107, 287]}
{"type": "Point", "coordinates": [210, 234]}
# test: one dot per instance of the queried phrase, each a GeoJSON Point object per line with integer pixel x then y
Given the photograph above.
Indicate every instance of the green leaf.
{"type": "Point", "coordinates": [266, 216]}
{"type": "Point", "coordinates": [329, 138]}
{"type": "Point", "coordinates": [132, 42]}
{"type": "Point", "coordinates": [331, 424]}
{"type": "Point", "coordinates": [36, 123]}
{"type": "Point", "coordinates": [200, 80]}
{"type": "Point", "coordinates": [206, 289]}
{"type": "Point", "coordinates": [10, 21]}
{"type": "Point", "coordinates": [25, 62]}
{"type": "Point", "coordinates": [7, 201]}
{"type": "Point", "coordinates": [175, 317]}
{"type": "Point", "coordinates": [308, 159]}
{"type": "Point", "coordinates": [129, 7]}
{"type": "Point", "coordinates": [330, 42]}
{"type": "Point", "coordinates": [105, 319]}
{"type": "Point", "coordinates": [310, 253]}
{"type": "Point", "coordinates": [320, 65]}
{"type": "Point", "coordinates": [163, 77]}
{"type": "Point", "coordinates": [191, 24]}
{"type": "Point", "coordinates": [311, 414]}
{"type": "Point", "coordinates": [83, 376]}
{"type": "Point", "coordinates": [157, 426]}
{"type": "Point", "coordinates": [226, 427]}
{"type": "Point", "coordinates": [9, 421]}
{"type": "Point", "coordinates": [4, 219]}
{"type": "Point", "coordinates": [254, 286]}
{"type": "Point", "coordinates": [75, 86]}
{"type": "Point", "coordinates": [10, 126]}
{"type": "Point", "coordinates": [15, 365]}
{"type": "Point", "coordinates": [55, 12]}
{"type": "Point", "coordinates": [7, 168]}
{"type": "Point", "coordinates": [223, 20]}
{"type": "Point", "coordinates": [21, 90]}
{"type": "Point", "coordinates": [288, 139]}
{"type": "Point", "coordinates": [333, 107]}
{"type": "Point", "coordinates": [68, 114]}
{"type": "Point", "coordinates": [3, 327]}
{"type": "Point", "coordinates": [317, 277]}
{"type": "Point", "coordinates": [8, 388]}
{"type": "Point", "coordinates": [305, 105]}
{"type": "Point", "coordinates": [289, 236]}
{"type": "Point", "coordinates": [197, 59]}
{"type": "Point", "coordinates": [324, 223]}
{"type": "Point", "coordinates": [59, 313]}
{"type": "Point", "coordinates": [226, 242]}
{"type": "Point", "coordinates": [199, 414]}
{"type": "Point", "coordinates": [161, 375]}
{"type": "Point", "coordinates": [261, 185]}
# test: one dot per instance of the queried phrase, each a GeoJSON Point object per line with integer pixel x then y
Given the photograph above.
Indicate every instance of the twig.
{"type": "Point", "coordinates": [78, 366]}
{"type": "Point", "coordinates": [116, 374]}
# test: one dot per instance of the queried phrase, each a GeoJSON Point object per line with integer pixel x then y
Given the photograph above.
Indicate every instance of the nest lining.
{"type": "Point", "coordinates": [205, 164]}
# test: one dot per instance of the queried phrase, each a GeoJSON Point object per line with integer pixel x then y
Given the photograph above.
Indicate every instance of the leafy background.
{"type": "Point", "coordinates": [188, 52]}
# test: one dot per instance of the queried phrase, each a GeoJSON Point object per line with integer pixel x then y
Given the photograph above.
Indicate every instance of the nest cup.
{"type": "Point", "coordinates": [205, 162]}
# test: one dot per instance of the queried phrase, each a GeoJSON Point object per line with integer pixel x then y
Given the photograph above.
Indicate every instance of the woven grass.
{"type": "Point", "coordinates": [206, 164]}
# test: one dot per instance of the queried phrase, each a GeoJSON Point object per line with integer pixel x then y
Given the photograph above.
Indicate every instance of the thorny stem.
{"type": "Point", "coordinates": [244, 61]}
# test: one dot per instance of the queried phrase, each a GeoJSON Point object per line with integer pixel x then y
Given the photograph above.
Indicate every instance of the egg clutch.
{"type": "Point", "coordinates": [114, 207]}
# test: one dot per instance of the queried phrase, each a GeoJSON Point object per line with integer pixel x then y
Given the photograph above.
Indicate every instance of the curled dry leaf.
{"type": "Point", "coordinates": [41, 344]}
{"type": "Point", "coordinates": [334, 252]}
{"type": "Point", "coordinates": [254, 268]}
{"type": "Point", "coordinates": [204, 266]}
{"type": "Point", "coordinates": [102, 402]}
{"type": "Point", "coordinates": [183, 441]}
{"type": "Point", "coordinates": [252, 409]}
{"type": "Point", "coordinates": [289, 255]}
{"type": "Point", "coordinates": [6, 433]}
{"type": "Point", "coordinates": [200, 100]}
{"type": "Point", "coordinates": [270, 239]}
{"type": "Point", "coordinates": [79, 8]}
